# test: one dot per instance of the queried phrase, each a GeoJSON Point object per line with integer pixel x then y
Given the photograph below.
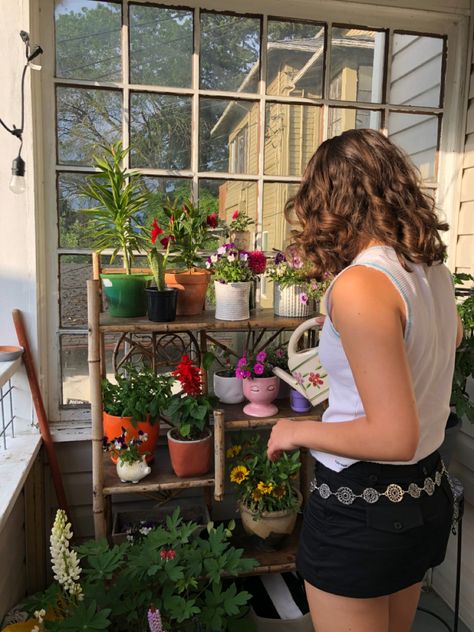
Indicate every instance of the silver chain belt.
{"type": "Point", "coordinates": [393, 492]}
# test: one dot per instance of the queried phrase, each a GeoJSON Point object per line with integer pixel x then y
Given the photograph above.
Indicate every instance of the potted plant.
{"type": "Point", "coordinates": [267, 499]}
{"type": "Point", "coordinates": [190, 231]}
{"type": "Point", "coordinates": [461, 403]}
{"type": "Point", "coordinates": [115, 224]}
{"type": "Point", "coordinates": [238, 229]}
{"type": "Point", "coordinates": [190, 438]}
{"type": "Point", "coordinates": [233, 271]}
{"type": "Point", "coordinates": [162, 300]}
{"type": "Point", "coordinates": [295, 293]}
{"type": "Point", "coordinates": [131, 463]}
{"type": "Point", "coordinates": [135, 402]}
{"type": "Point", "coordinates": [227, 387]}
{"type": "Point", "coordinates": [174, 578]}
{"type": "Point", "coordinates": [260, 385]}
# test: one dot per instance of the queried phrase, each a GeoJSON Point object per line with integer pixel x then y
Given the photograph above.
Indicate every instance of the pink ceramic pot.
{"type": "Point", "coordinates": [261, 391]}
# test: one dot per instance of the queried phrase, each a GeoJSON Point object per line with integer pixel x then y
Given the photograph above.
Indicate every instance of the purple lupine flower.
{"type": "Point", "coordinates": [261, 357]}
{"type": "Point", "coordinates": [258, 369]}
{"type": "Point", "coordinates": [154, 620]}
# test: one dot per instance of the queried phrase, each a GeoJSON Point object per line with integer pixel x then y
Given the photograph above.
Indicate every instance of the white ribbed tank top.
{"type": "Point", "coordinates": [430, 342]}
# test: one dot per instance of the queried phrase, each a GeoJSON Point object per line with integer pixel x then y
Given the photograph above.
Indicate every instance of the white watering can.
{"type": "Point", "coordinates": [308, 376]}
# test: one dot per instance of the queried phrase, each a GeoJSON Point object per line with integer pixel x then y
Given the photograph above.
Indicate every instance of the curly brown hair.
{"type": "Point", "coordinates": [359, 187]}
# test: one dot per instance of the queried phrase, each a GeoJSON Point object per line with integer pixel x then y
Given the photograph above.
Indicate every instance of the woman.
{"type": "Point", "coordinates": [381, 509]}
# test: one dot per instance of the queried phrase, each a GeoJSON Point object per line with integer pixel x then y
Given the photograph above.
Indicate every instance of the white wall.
{"type": "Point", "coordinates": [18, 254]}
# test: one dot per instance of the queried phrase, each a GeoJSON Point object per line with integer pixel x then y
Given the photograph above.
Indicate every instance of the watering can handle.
{"type": "Point", "coordinates": [299, 331]}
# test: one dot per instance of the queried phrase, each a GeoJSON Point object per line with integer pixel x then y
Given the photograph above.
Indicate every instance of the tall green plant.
{"type": "Point", "coordinates": [464, 362]}
{"type": "Point", "coordinates": [121, 200]}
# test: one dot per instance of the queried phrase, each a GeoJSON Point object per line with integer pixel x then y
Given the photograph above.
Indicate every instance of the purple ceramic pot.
{"type": "Point", "coordinates": [298, 402]}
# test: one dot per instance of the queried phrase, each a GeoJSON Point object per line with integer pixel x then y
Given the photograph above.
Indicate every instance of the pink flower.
{"type": "Point", "coordinates": [242, 361]}
{"type": "Point", "coordinates": [258, 369]}
{"type": "Point", "coordinates": [304, 298]}
{"type": "Point", "coordinates": [257, 261]}
{"type": "Point", "coordinates": [299, 378]}
{"type": "Point", "coordinates": [261, 357]}
{"type": "Point", "coordinates": [315, 379]}
{"type": "Point", "coordinates": [167, 555]}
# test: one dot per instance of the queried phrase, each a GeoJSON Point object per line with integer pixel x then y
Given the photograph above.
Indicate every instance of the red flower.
{"type": "Point", "coordinates": [155, 231]}
{"type": "Point", "coordinates": [189, 375]}
{"type": "Point", "coordinates": [257, 261]}
{"type": "Point", "coordinates": [315, 379]}
{"type": "Point", "coordinates": [167, 555]}
{"type": "Point", "coordinates": [235, 214]}
{"type": "Point", "coordinates": [212, 220]}
{"type": "Point", "coordinates": [164, 242]}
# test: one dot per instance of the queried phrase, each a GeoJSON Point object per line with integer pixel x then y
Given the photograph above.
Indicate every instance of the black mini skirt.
{"type": "Point", "coordinates": [368, 550]}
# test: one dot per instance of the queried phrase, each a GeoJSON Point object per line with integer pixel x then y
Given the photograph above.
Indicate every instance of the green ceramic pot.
{"type": "Point", "coordinates": [125, 293]}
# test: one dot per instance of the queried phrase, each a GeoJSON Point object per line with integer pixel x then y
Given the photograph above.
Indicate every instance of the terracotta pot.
{"type": "Point", "coordinates": [113, 428]}
{"type": "Point", "coordinates": [192, 288]}
{"type": "Point", "coordinates": [272, 526]}
{"type": "Point", "coordinates": [132, 472]}
{"type": "Point", "coordinates": [261, 391]}
{"type": "Point", "coordinates": [190, 458]}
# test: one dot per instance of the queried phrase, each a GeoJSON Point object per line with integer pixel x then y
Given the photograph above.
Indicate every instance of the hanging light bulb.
{"type": "Point", "coordinates": [17, 182]}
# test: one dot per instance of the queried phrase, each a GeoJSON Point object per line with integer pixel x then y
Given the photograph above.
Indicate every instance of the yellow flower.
{"type": "Point", "coordinates": [238, 474]}
{"type": "Point", "coordinates": [256, 495]}
{"type": "Point", "coordinates": [265, 488]}
{"type": "Point", "coordinates": [233, 451]}
{"type": "Point", "coordinates": [279, 492]}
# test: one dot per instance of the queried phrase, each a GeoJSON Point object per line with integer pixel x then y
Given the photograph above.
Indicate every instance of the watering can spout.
{"type": "Point", "coordinates": [307, 375]}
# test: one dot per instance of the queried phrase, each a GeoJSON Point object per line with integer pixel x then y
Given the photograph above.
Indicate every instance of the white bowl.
{"type": "Point", "coordinates": [10, 352]}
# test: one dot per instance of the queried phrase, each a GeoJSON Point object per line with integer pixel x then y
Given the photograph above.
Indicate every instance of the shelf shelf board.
{"type": "Point", "coordinates": [276, 561]}
{"type": "Point", "coordinates": [262, 318]}
{"type": "Point", "coordinates": [161, 478]}
{"type": "Point", "coordinates": [235, 418]}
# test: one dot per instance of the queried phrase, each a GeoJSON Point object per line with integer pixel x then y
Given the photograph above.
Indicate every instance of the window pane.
{"type": "Point", "coordinates": [342, 119]}
{"type": "Point", "coordinates": [72, 223]}
{"type": "Point", "coordinates": [88, 40]}
{"type": "Point", "coordinates": [160, 189]}
{"type": "Point", "coordinates": [275, 227]}
{"type": "Point", "coordinates": [74, 270]}
{"type": "Point", "coordinates": [228, 136]}
{"type": "Point", "coordinates": [160, 131]}
{"type": "Point", "coordinates": [75, 370]}
{"type": "Point", "coordinates": [230, 52]}
{"type": "Point", "coordinates": [161, 46]}
{"type": "Point", "coordinates": [295, 59]}
{"type": "Point", "coordinates": [292, 135]}
{"type": "Point", "coordinates": [416, 70]}
{"type": "Point", "coordinates": [357, 60]}
{"type": "Point", "coordinates": [417, 135]}
{"type": "Point", "coordinates": [86, 118]}
{"type": "Point", "coordinates": [226, 196]}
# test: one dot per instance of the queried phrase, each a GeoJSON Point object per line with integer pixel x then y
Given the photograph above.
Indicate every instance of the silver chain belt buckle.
{"type": "Point", "coordinates": [393, 492]}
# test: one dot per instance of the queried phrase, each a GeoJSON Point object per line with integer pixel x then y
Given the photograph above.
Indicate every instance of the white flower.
{"type": "Point", "coordinates": [40, 614]}
{"type": "Point", "coordinates": [243, 256]}
{"type": "Point", "coordinates": [221, 250]}
{"type": "Point", "coordinates": [231, 258]}
{"type": "Point", "coordinates": [64, 561]}
{"type": "Point", "coordinates": [208, 264]}
{"type": "Point", "coordinates": [280, 272]}
{"type": "Point", "coordinates": [35, 629]}
{"type": "Point", "coordinates": [214, 258]}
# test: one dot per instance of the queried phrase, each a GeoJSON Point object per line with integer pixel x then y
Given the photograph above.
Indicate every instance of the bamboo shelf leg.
{"type": "Point", "coordinates": [93, 310]}
{"type": "Point", "coordinates": [219, 455]}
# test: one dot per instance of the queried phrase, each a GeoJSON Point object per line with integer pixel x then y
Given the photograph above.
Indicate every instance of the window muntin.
{"type": "Point", "coordinates": [234, 169]}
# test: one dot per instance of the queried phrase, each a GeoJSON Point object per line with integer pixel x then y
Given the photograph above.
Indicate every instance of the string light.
{"type": "Point", "coordinates": [17, 182]}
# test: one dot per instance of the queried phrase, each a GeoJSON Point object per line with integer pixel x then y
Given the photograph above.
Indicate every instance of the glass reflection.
{"type": "Point", "coordinates": [417, 135]}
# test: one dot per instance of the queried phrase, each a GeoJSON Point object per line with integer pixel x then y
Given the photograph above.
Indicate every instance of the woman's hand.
{"type": "Point", "coordinates": [281, 438]}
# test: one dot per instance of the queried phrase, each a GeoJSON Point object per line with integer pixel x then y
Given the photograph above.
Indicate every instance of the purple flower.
{"type": "Point", "coordinates": [261, 357]}
{"type": "Point", "coordinates": [280, 353]}
{"type": "Point", "coordinates": [246, 374]}
{"type": "Point", "coordinates": [258, 369]}
{"type": "Point", "coordinates": [304, 298]}
{"type": "Point", "coordinates": [239, 373]}
{"type": "Point", "coordinates": [241, 362]}
{"type": "Point", "coordinates": [279, 258]}
{"type": "Point", "coordinates": [299, 378]}
{"type": "Point", "coordinates": [154, 620]}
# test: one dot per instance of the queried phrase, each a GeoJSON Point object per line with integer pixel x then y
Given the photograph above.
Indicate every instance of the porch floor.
{"type": "Point", "coordinates": [425, 622]}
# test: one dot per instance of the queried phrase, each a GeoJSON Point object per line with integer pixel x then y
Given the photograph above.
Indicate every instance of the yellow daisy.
{"type": "Point", "coordinates": [233, 451]}
{"type": "Point", "coordinates": [238, 474]}
{"type": "Point", "coordinates": [265, 488]}
{"type": "Point", "coordinates": [256, 495]}
{"type": "Point", "coordinates": [279, 492]}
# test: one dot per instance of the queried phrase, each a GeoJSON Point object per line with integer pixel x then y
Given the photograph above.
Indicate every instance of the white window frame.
{"type": "Point", "coordinates": [454, 25]}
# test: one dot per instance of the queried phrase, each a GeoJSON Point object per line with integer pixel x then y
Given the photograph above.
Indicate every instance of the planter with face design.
{"type": "Point", "coordinates": [261, 391]}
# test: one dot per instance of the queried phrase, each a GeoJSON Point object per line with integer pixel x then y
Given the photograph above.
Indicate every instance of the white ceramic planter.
{"type": "Point", "coordinates": [287, 302]}
{"type": "Point", "coordinates": [232, 300]}
{"type": "Point", "coordinates": [133, 472]}
{"type": "Point", "coordinates": [229, 390]}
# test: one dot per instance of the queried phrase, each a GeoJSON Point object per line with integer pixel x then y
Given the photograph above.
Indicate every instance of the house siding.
{"type": "Point", "coordinates": [463, 465]}
{"type": "Point", "coordinates": [12, 554]}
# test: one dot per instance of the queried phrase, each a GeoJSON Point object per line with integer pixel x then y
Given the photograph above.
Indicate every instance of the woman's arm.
{"type": "Point", "coordinates": [369, 314]}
